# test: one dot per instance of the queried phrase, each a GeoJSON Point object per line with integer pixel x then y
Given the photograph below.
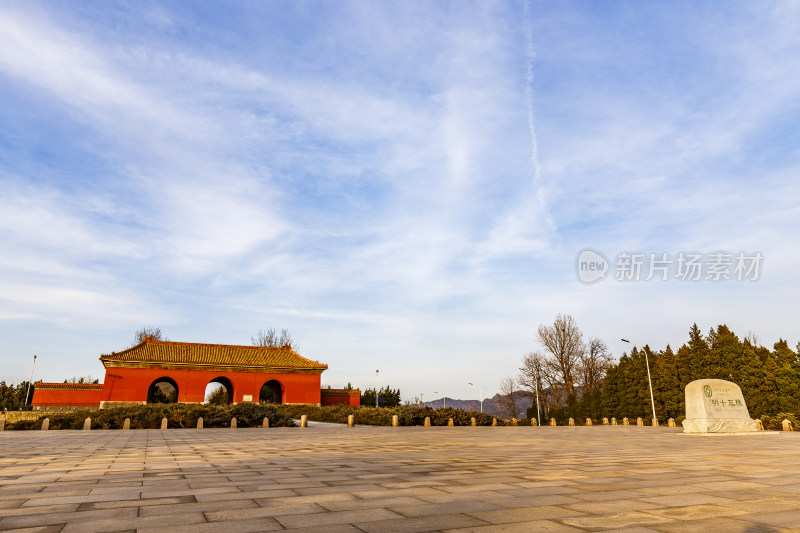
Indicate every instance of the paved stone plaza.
{"type": "Point", "coordinates": [377, 479]}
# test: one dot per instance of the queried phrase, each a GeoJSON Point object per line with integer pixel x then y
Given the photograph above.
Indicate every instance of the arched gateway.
{"type": "Point", "coordinates": [251, 374]}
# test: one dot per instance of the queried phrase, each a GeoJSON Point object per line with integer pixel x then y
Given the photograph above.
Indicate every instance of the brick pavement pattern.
{"type": "Point", "coordinates": [384, 479]}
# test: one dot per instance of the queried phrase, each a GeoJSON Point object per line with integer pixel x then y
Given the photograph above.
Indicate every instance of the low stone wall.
{"type": "Point", "coordinates": [16, 416]}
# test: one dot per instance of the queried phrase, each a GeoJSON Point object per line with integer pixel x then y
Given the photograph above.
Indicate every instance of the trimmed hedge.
{"type": "Point", "coordinates": [252, 415]}
{"type": "Point", "coordinates": [150, 416]}
{"type": "Point", "coordinates": [775, 423]}
{"type": "Point", "coordinates": [382, 416]}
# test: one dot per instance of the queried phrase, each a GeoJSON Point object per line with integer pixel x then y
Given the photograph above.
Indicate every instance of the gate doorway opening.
{"type": "Point", "coordinates": [163, 390]}
{"type": "Point", "coordinates": [271, 392]}
{"type": "Point", "coordinates": [219, 391]}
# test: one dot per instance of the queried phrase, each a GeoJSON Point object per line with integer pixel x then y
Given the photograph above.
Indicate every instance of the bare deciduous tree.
{"type": "Point", "coordinates": [509, 394]}
{"type": "Point", "coordinates": [533, 376]}
{"type": "Point", "coordinates": [153, 333]}
{"type": "Point", "coordinates": [530, 373]}
{"type": "Point", "coordinates": [271, 339]}
{"type": "Point", "coordinates": [564, 342]}
{"type": "Point", "coordinates": [81, 379]}
{"type": "Point", "coordinates": [593, 363]}
{"type": "Point", "coordinates": [567, 368]}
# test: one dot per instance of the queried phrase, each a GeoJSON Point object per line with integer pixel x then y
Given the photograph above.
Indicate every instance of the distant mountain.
{"type": "Point", "coordinates": [491, 405]}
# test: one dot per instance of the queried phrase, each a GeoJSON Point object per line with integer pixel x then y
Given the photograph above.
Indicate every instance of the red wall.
{"type": "Point", "coordinates": [44, 398]}
{"type": "Point", "coordinates": [131, 384]}
{"type": "Point", "coordinates": [340, 398]}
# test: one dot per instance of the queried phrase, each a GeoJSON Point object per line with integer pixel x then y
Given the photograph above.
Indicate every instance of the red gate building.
{"type": "Point", "coordinates": [249, 373]}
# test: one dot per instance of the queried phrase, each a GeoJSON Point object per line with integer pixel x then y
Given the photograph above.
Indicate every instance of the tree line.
{"type": "Point", "coordinates": [387, 397]}
{"type": "Point", "coordinates": [769, 379]}
{"type": "Point", "coordinates": [12, 397]}
{"type": "Point", "coordinates": [579, 379]}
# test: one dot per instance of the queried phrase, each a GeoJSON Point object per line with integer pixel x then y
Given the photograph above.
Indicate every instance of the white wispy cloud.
{"type": "Point", "coordinates": [402, 182]}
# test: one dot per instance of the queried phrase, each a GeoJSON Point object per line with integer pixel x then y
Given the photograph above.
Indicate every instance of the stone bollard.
{"type": "Point", "coordinates": [534, 422]}
{"type": "Point", "coordinates": [427, 422]}
{"type": "Point", "coordinates": [494, 421]}
{"type": "Point", "coordinates": [126, 424]}
{"type": "Point", "coordinates": [614, 421]}
{"type": "Point", "coordinates": [233, 422]}
{"type": "Point", "coordinates": [2, 424]}
{"type": "Point", "coordinates": [45, 424]}
{"type": "Point", "coordinates": [351, 421]}
{"type": "Point", "coordinates": [513, 421]}
{"type": "Point", "coordinates": [625, 421]}
{"type": "Point", "coordinates": [265, 423]}
{"type": "Point", "coordinates": [552, 421]}
{"type": "Point", "coordinates": [588, 421]}
{"type": "Point", "coordinates": [655, 422]}
{"type": "Point", "coordinates": [87, 424]}
{"type": "Point", "coordinates": [303, 421]}
{"type": "Point", "coordinates": [605, 421]}
{"type": "Point", "coordinates": [450, 422]}
{"type": "Point", "coordinates": [639, 421]}
{"type": "Point", "coordinates": [671, 423]}
{"type": "Point", "coordinates": [759, 424]}
{"type": "Point", "coordinates": [395, 421]}
{"type": "Point", "coordinates": [472, 422]}
{"type": "Point", "coordinates": [787, 425]}
{"type": "Point", "coordinates": [200, 423]}
{"type": "Point", "coordinates": [571, 422]}
{"type": "Point", "coordinates": [164, 423]}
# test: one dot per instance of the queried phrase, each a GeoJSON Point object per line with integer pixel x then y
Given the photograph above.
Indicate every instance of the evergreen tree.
{"type": "Point", "coordinates": [219, 397]}
{"type": "Point", "coordinates": [610, 392]}
{"type": "Point", "coordinates": [699, 360]}
{"type": "Point", "coordinates": [12, 397]}
{"type": "Point", "coordinates": [751, 376]}
{"type": "Point", "coordinates": [387, 397]}
{"type": "Point", "coordinates": [723, 345]}
{"type": "Point", "coordinates": [666, 386]}
{"type": "Point", "coordinates": [787, 377]}
{"type": "Point", "coordinates": [683, 366]}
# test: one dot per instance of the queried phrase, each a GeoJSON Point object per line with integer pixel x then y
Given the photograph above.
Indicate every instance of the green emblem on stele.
{"type": "Point", "coordinates": [707, 391]}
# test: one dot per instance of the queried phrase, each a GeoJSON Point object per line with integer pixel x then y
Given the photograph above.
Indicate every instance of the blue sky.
{"type": "Point", "coordinates": [404, 186]}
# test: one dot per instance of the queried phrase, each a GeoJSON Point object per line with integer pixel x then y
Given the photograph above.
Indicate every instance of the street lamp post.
{"type": "Point", "coordinates": [480, 394]}
{"type": "Point", "coordinates": [29, 381]}
{"type": "Point", "coordinates": [538, 411]}
{"type": "Point", "coordinates": [649, 381]}
{"type": "Point", "coordinates": [376, 388]}
{"type": "Point", "coordinates": [444, 400]}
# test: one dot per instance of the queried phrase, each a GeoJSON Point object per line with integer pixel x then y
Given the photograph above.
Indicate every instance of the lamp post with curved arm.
{"type": "Point", "coordinates": [30, 381]}
{"type": "Point", "coordinates": [649, 382]}
{"type": "Point", "coordinates": [444, 400]}
{"type": "Point", "coordinates": [480, 394]}
{"type": "Point", "coordinates": [538, 411]}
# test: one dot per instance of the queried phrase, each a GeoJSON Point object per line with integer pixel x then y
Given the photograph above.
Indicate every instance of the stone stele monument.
{"type": "Point", "coordinates": [716, 406]}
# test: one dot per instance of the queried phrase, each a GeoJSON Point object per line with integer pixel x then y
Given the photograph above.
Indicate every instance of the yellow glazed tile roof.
{"type": "Point", "coordinates": [68, 386]}
{"type": "Point", "coordinates": [190, 353]}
